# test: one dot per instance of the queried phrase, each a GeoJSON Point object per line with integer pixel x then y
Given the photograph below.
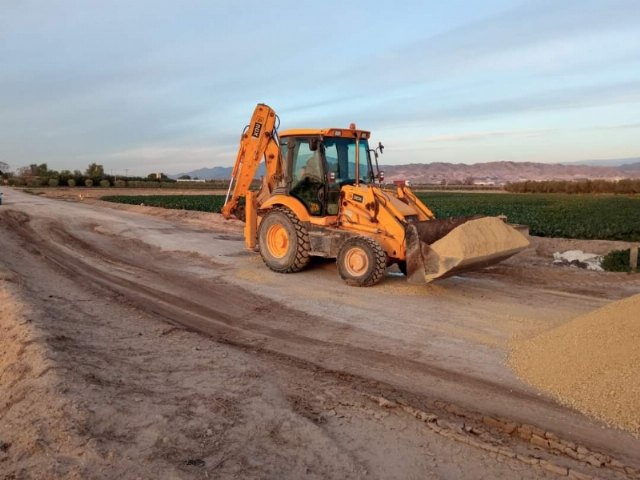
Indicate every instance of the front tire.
{"type": "Point", "coordinates": [362, 262]}
{"type": "Point", "coordinates": [284, 241]}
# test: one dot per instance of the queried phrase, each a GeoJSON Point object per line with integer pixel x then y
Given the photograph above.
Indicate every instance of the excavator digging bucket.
{"type": "Point", "coordinates": [440, 248]}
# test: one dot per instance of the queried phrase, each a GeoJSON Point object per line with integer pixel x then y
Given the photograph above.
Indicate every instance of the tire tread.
{"type": "Point", "coordinates": [302, 257]}
{"type": "Point", "coordinates": [379, 267]}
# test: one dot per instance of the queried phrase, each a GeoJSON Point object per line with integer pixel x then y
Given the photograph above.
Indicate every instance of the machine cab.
{"type": "Point", "coordinates": [319, 162]}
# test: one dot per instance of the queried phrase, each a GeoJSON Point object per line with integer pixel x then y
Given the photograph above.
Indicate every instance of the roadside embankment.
{"type": "Point", "coordinates": [37, 425]}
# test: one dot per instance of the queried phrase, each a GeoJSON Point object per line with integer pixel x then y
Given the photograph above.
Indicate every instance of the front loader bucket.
{"type": "Point", "coordinates": [440, 248]}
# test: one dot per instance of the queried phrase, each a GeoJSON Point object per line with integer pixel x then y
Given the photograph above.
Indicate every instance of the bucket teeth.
{"type": "Point", "coordinates": [440, 248]}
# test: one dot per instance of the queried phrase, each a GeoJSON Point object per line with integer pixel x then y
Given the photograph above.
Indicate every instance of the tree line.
{"type": "Point", "coordinates": [624, 186]}
{"type": "Point", "coordinates": [39, 175]}
{"type": "Point", "coordinates": [94, 176]}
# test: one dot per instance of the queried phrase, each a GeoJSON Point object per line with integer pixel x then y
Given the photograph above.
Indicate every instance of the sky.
{"type": "Point", "coordinates": [150, 85]}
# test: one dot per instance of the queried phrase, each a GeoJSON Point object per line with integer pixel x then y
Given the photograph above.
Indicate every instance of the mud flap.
{"type": "Point", "coordinates": [440, 248]}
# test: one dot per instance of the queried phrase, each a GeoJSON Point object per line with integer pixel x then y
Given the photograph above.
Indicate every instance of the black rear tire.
{"type": "Point", "coordinates": [362, 262]}
{"type": "Point", "coordinates": [291, 254]}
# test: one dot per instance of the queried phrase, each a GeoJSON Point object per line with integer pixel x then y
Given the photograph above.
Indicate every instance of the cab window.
{"type": "Point", "coordinates": [340, 154]}
{"type": "Point", "coordinates": [307, 178]}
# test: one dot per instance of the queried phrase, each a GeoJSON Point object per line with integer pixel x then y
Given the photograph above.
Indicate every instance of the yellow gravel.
{"type": "Point", "coordinates": [476, 241]}
{"type": "Point", "coordinates": [591, 363]}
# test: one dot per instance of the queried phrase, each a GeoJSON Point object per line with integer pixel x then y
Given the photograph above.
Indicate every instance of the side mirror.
{"type": "Point", "coordinates": [381, 147]}
{"type": "Point", "coordinates": [381, 177]}
{"type": "Point", "coordinates": [332, 177]}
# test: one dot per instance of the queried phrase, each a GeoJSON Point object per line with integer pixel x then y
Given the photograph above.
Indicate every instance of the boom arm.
{"type": "Point", "coordinates": [259, 139]}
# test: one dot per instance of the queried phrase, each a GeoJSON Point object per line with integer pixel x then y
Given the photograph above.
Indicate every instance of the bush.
{"type": "Point", "coordinates": [36, 182]}
{"type": "Point", "coordinates": [53, 182]}
{"type": "Point", "coordinates": [16, 182]}
{"type": "Point", "coordinates": [71, 182]}
{"type": "Point", "coordinates": [88, 182]}
{"type": "Point", "coordinates": [617, 261]}
{"type": "Point", "coordinates": [142, 184]}
{"type": "Point", "coordinates": [120, 184]}
{"type": "Point", "coordinates": [105, 183]}
{"type": "Point", "coordinates": [624, 186]}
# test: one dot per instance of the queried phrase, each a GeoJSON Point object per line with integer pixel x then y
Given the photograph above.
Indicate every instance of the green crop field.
{"type": "Point", "coordinates": [202, 203]}
{"type": "Point", "coordinates": [606, 217]}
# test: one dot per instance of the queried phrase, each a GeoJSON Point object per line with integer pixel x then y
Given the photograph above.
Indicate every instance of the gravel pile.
{"type": "Point", "coordinates": [480, 240]}
{"type": "Point", "coordinates": [591, 363]}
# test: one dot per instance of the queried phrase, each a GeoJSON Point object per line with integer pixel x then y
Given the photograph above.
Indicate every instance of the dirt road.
{"type": "Point", "coordinates": [295, 374]}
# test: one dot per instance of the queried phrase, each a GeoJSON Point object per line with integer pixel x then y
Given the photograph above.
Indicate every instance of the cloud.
{"type": "Point", "coordinates": [171, 82]}
{"type": "Point", "coordinates": [158, 158]}
{"type": "Point", "coordinates": [480, 136]}
{"type": "Point", "coordinates": [566, 99]}
{"type": "Point", "coordinates": [626, 126]}
{"type": "Point", "coordinates": [544, 30]}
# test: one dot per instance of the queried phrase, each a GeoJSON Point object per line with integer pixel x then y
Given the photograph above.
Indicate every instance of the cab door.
{"type": "Point", "coordinates": [308, 177]}
{"type": "Point", "coordinates": [336, 155]}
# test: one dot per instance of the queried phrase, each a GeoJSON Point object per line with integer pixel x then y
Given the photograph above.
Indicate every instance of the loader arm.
{"type": "Point", "coordinates": [259, 140]}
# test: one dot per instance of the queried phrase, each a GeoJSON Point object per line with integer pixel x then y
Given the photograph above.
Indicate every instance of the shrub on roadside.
{"type": "Point", "coordinates": [120, 184]}
{"type": "Point", "coordinates": [53, 182]}
{"type": "Point", "coordinates": [624, 186]}
{"type": "Point", "coordinates": [105, 183]}
{"type": "Point", "coordinates": [36, 182]}
{"type": "Point", "coordinates": [71, 182]}
{"type": "Point", "coordinates": [33, 192]}
{"type": "Point", "coordinates": [16, 182]}
{"type": "Point", "coordinates": [142, 184]}
{"type": "Point", "coordinates": [88, 182]}
{"type": "Point", "coordinates": [617, 261]}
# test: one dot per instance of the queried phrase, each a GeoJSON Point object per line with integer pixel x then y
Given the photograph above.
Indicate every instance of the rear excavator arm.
{"type": "Point", "coordinates": [259, 140]}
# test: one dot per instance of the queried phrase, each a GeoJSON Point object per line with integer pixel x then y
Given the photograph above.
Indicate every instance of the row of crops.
{"type": "Point", "coordinates": [606, 217]}
{"type": "Point", "coordinates": [201, 203]}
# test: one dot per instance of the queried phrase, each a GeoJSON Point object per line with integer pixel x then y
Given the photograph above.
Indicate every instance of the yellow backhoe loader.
{"type": "Point", "coordinates": [321, 196]}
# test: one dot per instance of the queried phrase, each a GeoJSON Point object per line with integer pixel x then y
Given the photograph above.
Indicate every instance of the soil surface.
{"type": "Point", "coordinates": [138, 342]}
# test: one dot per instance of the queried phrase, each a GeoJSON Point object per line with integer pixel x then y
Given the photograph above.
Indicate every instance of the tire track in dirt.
{"type": "Point", "coordinates": [133, 282]}
{"type": "Point", "coordinates": [81, 260]}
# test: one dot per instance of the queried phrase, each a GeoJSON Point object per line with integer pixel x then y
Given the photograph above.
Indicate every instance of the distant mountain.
{"type": "Point", "coordinates": [490, 173]}
{"type": "Point", "coordinates": [214, 173]}
{"type": "Point", "coordinates": [611, 162]}
{"type": "Point", "coordinates": [631, 167]}
{"type": "Point", "coordinates": [499, 173]}
{"type": "Point", "coordinates": [207, 173]}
